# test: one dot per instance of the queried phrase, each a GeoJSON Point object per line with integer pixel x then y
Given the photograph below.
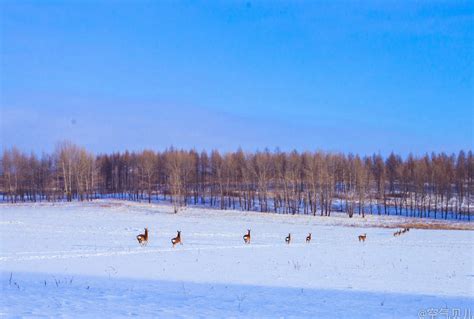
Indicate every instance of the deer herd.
{"type": "Point", "coordinates": [143, 238]}
{"type": "Point", "coordinates": [401, 231]}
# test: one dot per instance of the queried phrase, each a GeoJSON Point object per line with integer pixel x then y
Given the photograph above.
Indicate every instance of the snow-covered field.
{"type": "Point", "coordinates": [83, 260]}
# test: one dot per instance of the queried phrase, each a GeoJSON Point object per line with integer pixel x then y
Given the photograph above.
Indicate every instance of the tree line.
{"type": "Point", "coordinates": [435, 185]}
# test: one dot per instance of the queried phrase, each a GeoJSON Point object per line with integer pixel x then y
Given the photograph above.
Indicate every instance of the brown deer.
{"type": "Point", "coordinates": [143, 238]}
{"type": "Point", "coordinates": [247, 237]}
{"type": "Point", "coordinates": [288, 239]}
{"type": "Point", "coordinates": [362, 237]}
{"type": "Point", "coordinates": [177, 239]}
{"type": "Point", "coordinates": [308, 238]}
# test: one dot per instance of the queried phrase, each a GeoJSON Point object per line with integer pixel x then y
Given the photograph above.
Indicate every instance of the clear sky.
{"type": "Point", "coordinates": [345, 76]}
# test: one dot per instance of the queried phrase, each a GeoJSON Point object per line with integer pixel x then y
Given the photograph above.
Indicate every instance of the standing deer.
{"type": "Point", "coordinates": [362, 237]}
{"type": "Point", "coordinates": [308, 238]}
{"type": "Point", "coordinates": [247, 237]}
{"type": "Point", "coordinates": [288, 239]}
{"type": "Point", "coordinates": [177, 239]}
{"type": "Point", "coordinates": [143, 238]}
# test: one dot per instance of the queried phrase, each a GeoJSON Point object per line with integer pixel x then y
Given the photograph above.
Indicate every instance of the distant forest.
{"type": "Point", "coordinates": [436, 185]}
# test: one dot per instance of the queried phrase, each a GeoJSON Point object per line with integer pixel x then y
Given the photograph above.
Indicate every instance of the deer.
{"type": "Point", "coordinates": [247, 237]}
{"type": "Point", "coordinates": [177, 240]}
{"type": "Point", "coordinates": [143, 238]}
{"type": "Point", "coordinates": [308, 238]}
{"type": "Point", "coordinates": [288, 239]}
{"type": "Point", "coordinates": [362, 237]}
{"type": "Point", "coordinates": [397, 233]}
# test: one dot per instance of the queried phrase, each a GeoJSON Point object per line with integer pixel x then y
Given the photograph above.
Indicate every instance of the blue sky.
{"type": "Point", "coordinates": [344, 76]}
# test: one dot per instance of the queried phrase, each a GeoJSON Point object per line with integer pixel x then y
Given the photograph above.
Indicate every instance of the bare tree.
{"type": "Point", "coordinates": [432, 185]}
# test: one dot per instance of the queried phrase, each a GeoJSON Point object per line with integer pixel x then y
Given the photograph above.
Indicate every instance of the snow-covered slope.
{"type": "Point", "coordinates": [83, 259]}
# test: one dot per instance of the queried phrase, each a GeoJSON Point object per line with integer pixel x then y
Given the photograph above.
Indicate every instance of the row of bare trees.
{"type": "Point", "coordinates": [436, 185]}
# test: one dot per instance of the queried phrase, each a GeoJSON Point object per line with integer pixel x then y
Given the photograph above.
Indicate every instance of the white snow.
{"type": "Point", "coordinates": [83, 260]}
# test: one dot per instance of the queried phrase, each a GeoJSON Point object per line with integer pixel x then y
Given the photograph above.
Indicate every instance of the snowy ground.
{"type": "Point", "coordinates": [82, 260]}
